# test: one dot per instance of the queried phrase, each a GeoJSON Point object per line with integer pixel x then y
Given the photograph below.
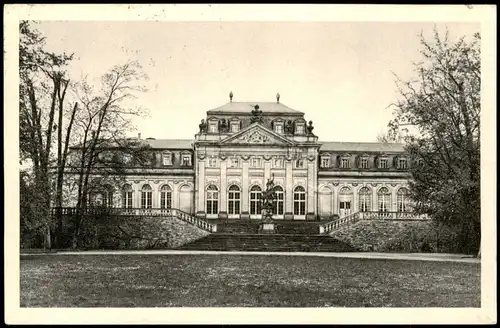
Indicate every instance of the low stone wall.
{"type": "Point", "coordinates": [132, 232]}
{"type": "Point", "coordinates": [394, 236]}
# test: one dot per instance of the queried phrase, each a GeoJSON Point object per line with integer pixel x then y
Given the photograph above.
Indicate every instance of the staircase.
{"type": "Point", "coordinates": [238, 226]}
{"type": "Point", "coordinates": [268, 243]}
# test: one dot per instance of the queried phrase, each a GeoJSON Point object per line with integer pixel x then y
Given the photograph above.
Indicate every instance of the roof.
{"type": "Point", "coordinates": [170, 143]}
{"type": "Point", "coordinates": [362, 146]}
{"type": "Point", "coordinates": [247, 107]}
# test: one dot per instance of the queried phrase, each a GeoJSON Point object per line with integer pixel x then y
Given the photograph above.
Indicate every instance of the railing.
{"type": "Point", "coordinates": [160, 212]}
{"type": "Point", "coordinates": [372, 215]}
{"type": "Point", "coordinates": [333, 225]}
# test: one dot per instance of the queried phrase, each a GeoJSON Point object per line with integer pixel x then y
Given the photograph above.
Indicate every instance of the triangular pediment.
{"type": "Point", "coordinates": [257, 134]}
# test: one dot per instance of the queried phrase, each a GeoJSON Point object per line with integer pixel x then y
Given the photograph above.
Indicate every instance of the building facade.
{"type": "Point", "coordinates": [221, 173]}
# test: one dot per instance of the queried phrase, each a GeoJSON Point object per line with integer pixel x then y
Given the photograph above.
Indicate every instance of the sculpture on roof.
{"type": "Point", "coordinates": [223, 126]}
{"type": "Point", "coordinates": [256, 115]}
{"type": "Point", "coordinates": [203, 126]}
{"type": "Point", "coordinates": [289, 127]}
{"type": "Point", "coordinates": [310, 127]}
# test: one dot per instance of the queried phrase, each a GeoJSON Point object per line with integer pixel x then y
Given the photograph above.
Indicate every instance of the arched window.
{"type": "Point", "coordinates": [403, 200]}
{"type": "Point", "coordinates": [234, 199]}
{"type": "Point", "coordinates": [255, 197]}
{"type": "Point", "coordinates": [384, 199]}
{"type": "Point", "coordinates": [212, 200]}
{"type": "Point", "coordinates": [365, 196]}
{"type": "Point", "coordinates": [107, 196]}
{"type": "Point", "coordinates": [279, 203]}
{"type": "Point", "coordinates": [165, 197]}
{"type": "Point", "coordinates": [127, 196]}
{"type": "Point", "coordinates": [146, 196]}
{"type": "Point", "coordinates": [299, 201]}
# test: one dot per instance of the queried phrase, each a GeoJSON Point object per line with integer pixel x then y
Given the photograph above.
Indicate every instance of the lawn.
{"type": "Point", "coordinates": [244, 281]}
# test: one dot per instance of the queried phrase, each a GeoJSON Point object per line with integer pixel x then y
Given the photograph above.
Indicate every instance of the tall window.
{"type": "Point", "coordinates": [255, 200]}
{"type": "Point", "coordinates": [212, 200]}
{"type": "Point", "coordinates": [146, 196]}
{"type": "Point", "coordinates": [365, 199]}
{"type": "Point", "coordinates": [403, 200]}
{"type": "Point", "coordinates": [167, 158]}
{"type": "Point", "coordinates": [279, 203]}
{"type": "Point", "coordinates": [299, 201]}
{"type": "Point", "coordinates": [127, 194]}
{"type": "Point", "coordinates": [107, 196]}
{"type": "Point", "coordinates": [384, 199]}
{"type": "Point", "coordinates": [363, 163]}
{"type": "Point", "coordinates": [165, 197]}
{"type": "Point", "coordinates": [234, 199]}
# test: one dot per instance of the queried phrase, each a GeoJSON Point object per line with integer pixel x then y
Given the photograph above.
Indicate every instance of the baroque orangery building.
{"type": "Point", "coordinates": [241, 145]}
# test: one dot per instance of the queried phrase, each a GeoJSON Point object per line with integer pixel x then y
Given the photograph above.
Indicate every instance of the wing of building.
{"type": "Point", "coordinates": [221, 173]}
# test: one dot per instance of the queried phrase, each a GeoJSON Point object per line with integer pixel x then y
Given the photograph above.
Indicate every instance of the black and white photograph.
{"type": "Point", "coordinates": [202, 160]}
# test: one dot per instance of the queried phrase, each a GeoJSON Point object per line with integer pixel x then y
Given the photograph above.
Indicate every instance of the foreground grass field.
{"type": "Point", "coordinates": [249, 281]}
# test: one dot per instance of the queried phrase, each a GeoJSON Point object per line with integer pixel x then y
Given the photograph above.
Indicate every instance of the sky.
{"type": "Point", "coordinates": [340, 74]}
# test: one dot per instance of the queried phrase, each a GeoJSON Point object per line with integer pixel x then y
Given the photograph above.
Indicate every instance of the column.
{"type": "Point", "coordinates": [355, 200]}
{"type": "Point", "coordinates": [310, 213]}
{"type": "Point", "coordinates": [288, 190]}
{"type": "Point", "coordinates": [335, 201]}
{"type": "Point", "coordinates": [394, 205]}
{"type": "Point", "coordinates": [200, 190]}
{"type": "Point", "coordinates": [223, 190]}
{"type": "Point", "coordinates": [374, 200]}
{"type": "Point", "coordinates": [176, 194]}
{"type": "Point", "coordinates": [137, 195]}
{"type": "Point", "coordinates": [155, 201]}
{"type": "Point", "coordinates": [244, 193]}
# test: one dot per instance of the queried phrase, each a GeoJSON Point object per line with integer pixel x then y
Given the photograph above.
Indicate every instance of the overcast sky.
{"type": "Point", "coordinates": [338, 73]}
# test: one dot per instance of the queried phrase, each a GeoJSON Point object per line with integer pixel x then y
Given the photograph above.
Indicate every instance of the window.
{"type": "Point", "coordinates": [299, 201]}
{"type": "Point", "coordinates": [384, 199]}
{"type": "Point", "coordinates": [299, 129]}
{"type": "Point", "coordinates": [165, 197]}
{"type": "Point", "coordinates": [325, 161]}
{"type": "Point", "coordinates": [255, 162]}
{"type": "Point", "coordinates": [212, 162]}
{"type": "Point", "coordinates": [212, 127]}
{"type": "Point", "coordinates": [344, 163]}
{"type": "Point", "coordinates": [186, 160]}
{"type": "Point", "coordinates": [234, 162]}
{"type": "Point", "coordinates": [383, 163]}
{"type": "Point", "coordinates": [278, 128]}
{"type": "Point", "coordinates": [403, 200]}
{"type": "Point", "coordinates": [402, 164]}
{"type": "Point", "coordinates": [365, 196]}
{"type": "Point", "coordinates": [234, 200]}
{"type": "Point", "coordinates": [363, 163]}
{"type": "Point", "coordinates": [277, 163]}
{"type": "Point", "coordinates": [279, 202]}
{"type": "Point", "coordinates": [107, 196]}
{"type": "Point", "coordinates": [300, 164]}
{"type": "Point", "coordinates": [146, 196]}
{"type": "Point", "coordinates": [212, 200]}
{"type": "Point", "coordinates": [167, 158]}
{"type": "Point", "coordinates": [255, 200]}
{"type": "Point", "coordinates": [127, 194]}
{"type": "Point", "coordinates": [235, 126]}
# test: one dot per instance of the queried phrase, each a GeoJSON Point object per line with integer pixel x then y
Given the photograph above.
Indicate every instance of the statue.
{"type": "Point", "coordinates": [256, 115]}
{"type": "Point", "coordinates": [223, 126]}
{"type": "Point", "coordinates": [269, 197]}
{"type": "Point", "coordinates": [310, 127]}
{"type": "Point", "coordinates": [203, 126]}
{"type": "Point", "coordinates": [289, 127]}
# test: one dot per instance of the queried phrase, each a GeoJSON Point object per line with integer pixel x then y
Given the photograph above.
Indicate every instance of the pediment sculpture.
{"type": "Point", "coordinates": [256, 137]}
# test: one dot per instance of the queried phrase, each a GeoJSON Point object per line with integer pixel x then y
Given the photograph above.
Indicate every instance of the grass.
{"type": "Point", "coordinates": [244, 281]}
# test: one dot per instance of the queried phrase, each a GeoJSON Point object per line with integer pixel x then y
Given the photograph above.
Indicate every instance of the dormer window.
{"type": "Point", "coordinates": [383, 163]}
{"type": "Point", "coordinates": [235, 127]}
{"type": "Point", "coordinates": [186, 159]}
{"type": "Point", "coordinates": [299, 128]}
{"type": "Point", "coordinates": [363, 162]}
{"type": "Point", "coordinates": [212, 127]}
{"type": "Point", "coordinates": [167, 158]}
{"type": "Point", "coordinates": [344, 162]}
{"type": "Point", "coordinates": [402, 163]}
{"type": "Point", "coordinates": [325, 161]}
